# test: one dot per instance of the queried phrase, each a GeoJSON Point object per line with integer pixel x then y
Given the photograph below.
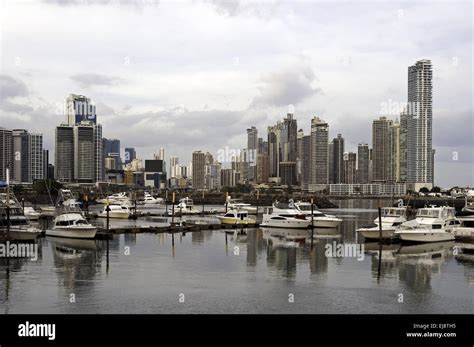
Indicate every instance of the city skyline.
{"type": "Point", "coordinates": [355, 81]}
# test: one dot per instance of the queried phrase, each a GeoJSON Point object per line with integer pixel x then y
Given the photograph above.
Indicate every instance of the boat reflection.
{"type": "Point", "coordinates": [285, 238]}
{"type": "Point", "coordinates": [75, 260]}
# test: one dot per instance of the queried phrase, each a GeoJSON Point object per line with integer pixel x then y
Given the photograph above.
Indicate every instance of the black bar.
{"type": "Point", "coordinates": [319, 330]}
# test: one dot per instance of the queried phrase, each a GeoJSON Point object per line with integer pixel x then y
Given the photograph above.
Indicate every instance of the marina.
{"type": "Point", "coordinates": [143, 265]}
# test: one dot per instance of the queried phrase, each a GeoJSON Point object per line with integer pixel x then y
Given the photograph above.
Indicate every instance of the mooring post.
{"type": "Point", "coordinates": [203, 202]}
{"type": "Point", "coordinates": [258, 197]}
{"type": "Point", "coordinates": [172, 209]}
{"type": "Point", "coordinates": [107, 209]}
{"type": "Point", "coordinates": [226, 201]}
{"type": "Point", "coordinates": [312, 223]}
{"type": "Point", "coordinates": [166, 202]}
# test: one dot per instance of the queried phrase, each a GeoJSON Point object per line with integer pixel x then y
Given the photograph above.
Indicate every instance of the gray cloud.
{"type": "Point", "coordinates": [288, 86]}
{"type": "Point", "coordinates": [11, 87]}
{"type": "Point", "coordinates": [92, 79]}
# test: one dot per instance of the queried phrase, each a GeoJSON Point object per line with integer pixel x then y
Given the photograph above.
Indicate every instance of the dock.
{"type": "Point", "coordinates": [176, 228]}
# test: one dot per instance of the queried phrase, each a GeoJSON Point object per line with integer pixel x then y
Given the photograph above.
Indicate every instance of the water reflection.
{"type": "Point", "coordinates": [415, 264]}
{"type": "Point", "coordinates": [76, 261]}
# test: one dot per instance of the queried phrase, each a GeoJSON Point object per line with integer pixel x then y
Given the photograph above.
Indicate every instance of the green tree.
{"type": "Point", "coordinates": [424, 190]}
{"type": "Point", "coordinates": [436, 190]}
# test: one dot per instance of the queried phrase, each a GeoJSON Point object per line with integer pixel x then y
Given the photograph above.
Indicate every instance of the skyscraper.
{"type": "Point", "coordinates": [79, 108]}
{"type": "Point", "coordinates": [111, 149]}
{"type": "Point", "coordinates": [64, 153]}
{"type": "Point", "coordinates": [130, 155]}
{"type": "Point", "coordinates": [262, 168]}
{"type": "Point", "coordinates": [306, 162]}
{"type": "Point", "coordinates": [420, 168]}
{"type": "Point", "coordinates": [6, 152]}
{"type": "Point", "coordinates": [282, 145]}
{"type": "Point", "coordinates": [403, 146]}
{"type": "Point", "coordinates": [79, 151]}
{"type": "Point", "coordinates": [395, 152]}
{"type": "Point", "coordinates": [299, 155]}
{"type": "Point", "coordinates": [363, 163]}
{"type": "Point", "coordinates": [174, 167]}
{"type": "Point", "coordinates": [319, 151]}
{"type": "Point", "coordinates": [252, 148]}
{"type": "Point", "coordinates": [381, 149]}
{"type": "Point", "coordinates": [198, 169]}
{"type": "Point", "coordinates": [350, 160]}
{"type": "Point", "coordinates": [338, 159]}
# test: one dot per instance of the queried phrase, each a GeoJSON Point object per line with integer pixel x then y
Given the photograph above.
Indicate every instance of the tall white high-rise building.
{"type": "Point", "coordinates": [319, 151]}
{"type": "Point", "coordinates": [420, 166]}
{"type": "Point", "coordinates": [28, 164]}
{"type": "Point", "coordinates": [174, 167]}
{"type": "Point", "coordinates": [79, 151]}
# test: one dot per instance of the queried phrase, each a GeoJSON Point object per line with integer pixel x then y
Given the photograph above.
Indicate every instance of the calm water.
{"type": "Point", "coordinates": [216, 272]}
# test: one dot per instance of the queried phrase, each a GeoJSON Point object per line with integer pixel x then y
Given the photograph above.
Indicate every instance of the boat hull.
{"type": "Point", "coordinates": [326, 223]}
{"type": "Point", "coordinates": [236, 221]}
{"type": "Point", "coordinates": [74, 233]}
{"type": "Point", "coordinates": [424, 236]}
{"type": "Point", "coordinates": [374, 233]}
{"type": "Point", "coordinates": [23, 235]}
{"type": "Point", "coordinates": [116, 215]}
{"type": "Point", "coordinates": [291, 224]}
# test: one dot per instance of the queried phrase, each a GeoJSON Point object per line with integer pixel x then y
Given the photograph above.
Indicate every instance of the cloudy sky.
{"type": "Point", "coordinates": [194, 75]}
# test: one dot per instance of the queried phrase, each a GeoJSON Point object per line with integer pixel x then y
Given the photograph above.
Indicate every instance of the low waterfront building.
{"type": "Point", "coordinates": [371, 189]}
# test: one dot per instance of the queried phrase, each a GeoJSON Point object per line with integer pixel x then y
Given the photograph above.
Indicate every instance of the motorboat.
{"type": "Point", "coordinates": [115, 211]}
{"type": "Point", "coordinates": [320, 219]}
{"type": "Point", "coordinates": [237, 217]}
{"type": "Point", "coordinates": [148, 199]}
{"type": "Point", "coordinates": [235, 204]}
{"type": "Point", "coordinates": [186, 206]}
{"type": "Point", "coordinates": [279, 217]}
{"type": "Point", "coordinates": [15, 224]}
{"type": "Point", "coordinates": [72, 225]}
{"type": "Point", "coordinates": [67, 199]}
{"type": "Point", "coordinates": [463, 226]}
{"type": "Point", "coordinates": [115, 199]}
{"type": "Point", "coordinates": [30, 213]}
{"type": "Point", "coordinates": [430, 225]}
{"type": "Point", "coordinates": [392, 218]}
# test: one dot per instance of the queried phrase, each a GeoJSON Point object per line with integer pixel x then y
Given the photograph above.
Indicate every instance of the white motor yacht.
{"type": "Point", "coordinates": [234, 217]}
{"type": "Point", "coordinates": [115, 199]}
{"type": "Point", "coordinates": [392, 218]}
{"type": "Point", "coordinates": [320, 219]}
{"type": "Point", "coordinates": [115, 211]}
{"type": "Point", "coordinates": [148, 199]}
{"type": "Point", "coordinates": [72, 225]}
{"type": "Point", "coordinates": [15, 222]}
{"type": "Point", "coordinates": [235, 204]}
{"type": "Point", "coordinates": [186, 206]}
{"type": "Point", "coordinates": [31, 214]}
{"type": "Point", "coordinates": [431, 225]}
{"type": "Point", "coordinates": [280, 217]}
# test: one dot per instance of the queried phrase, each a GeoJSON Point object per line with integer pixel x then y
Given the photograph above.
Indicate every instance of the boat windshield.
{"type": "Point", "coordinates": [305, 207]}
{"type": "Point", "coordinates": [392, 212]}
{"type": "Point", "coordinates": [426, 212]}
